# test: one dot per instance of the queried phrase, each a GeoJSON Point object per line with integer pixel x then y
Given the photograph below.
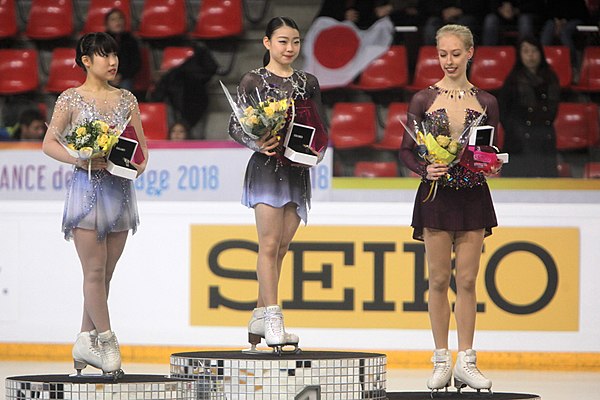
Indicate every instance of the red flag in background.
{"type": "Point", "coordinates": [337, 52]}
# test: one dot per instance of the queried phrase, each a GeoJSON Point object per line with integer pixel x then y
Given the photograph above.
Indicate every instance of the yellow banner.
{"type": "Point", "coordinates": [375, 277]}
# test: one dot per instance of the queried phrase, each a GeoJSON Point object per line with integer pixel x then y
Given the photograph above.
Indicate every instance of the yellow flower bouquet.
{"type": "Point", "coordinates": [261, 113]}
{"type": "Point", "coordinates": [91, 139]}
{"type": "Point", "coordinates": [440, 148]}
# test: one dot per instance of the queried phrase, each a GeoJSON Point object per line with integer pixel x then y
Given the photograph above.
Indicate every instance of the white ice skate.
{"type": "Point", "coordinates": [110, 354]}
{"type": "Point", "coordinates": [256, 332]}
{"type": "Point", "coordinates": [442, 371]}
{"type": "Point", "coordinates": [86, 352]}
{"type": "Point", "coordinates": [267, 323]}
{"type": "Point", "coordinates": [467, 373]}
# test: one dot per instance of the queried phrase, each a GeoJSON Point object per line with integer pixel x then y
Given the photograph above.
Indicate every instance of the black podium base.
{"type": "Point", "coordinates": [147, 387]}
{"type": "Point", "coordinates": [464, 395]}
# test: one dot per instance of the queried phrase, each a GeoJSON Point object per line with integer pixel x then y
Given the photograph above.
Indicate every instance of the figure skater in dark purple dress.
{"type": "Point", "coordinates": [460, 215]}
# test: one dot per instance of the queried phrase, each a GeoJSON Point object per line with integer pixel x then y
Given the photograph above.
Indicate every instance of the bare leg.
{"type": "Point", "coordinates": [93, 256]}
{"type": "Point", "coordinates": [115, 243]}
{"type": "Point", "coordinates": [276, 228]}
{"type": "Point", "coordinates": [468, 247]}
{"type": "Point", "coordinates": [438, 248]}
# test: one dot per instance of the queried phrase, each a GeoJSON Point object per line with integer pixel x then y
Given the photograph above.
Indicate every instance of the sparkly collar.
{"type": "Point", "coordinates": [455, 94]}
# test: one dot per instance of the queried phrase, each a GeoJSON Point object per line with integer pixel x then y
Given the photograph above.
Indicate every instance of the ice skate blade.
{"type": "Point", "coordinates": [285, 349]}
{"type": "Point", "coordinates": [459, 385]}
{"type": "Point", "coordinates": [436, 391]}
{"type": "Point", "coordinates": [115, 375]}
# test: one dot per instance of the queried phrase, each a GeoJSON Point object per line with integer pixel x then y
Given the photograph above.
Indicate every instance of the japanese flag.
{"type": "Point", "coordinates": [337, 52]}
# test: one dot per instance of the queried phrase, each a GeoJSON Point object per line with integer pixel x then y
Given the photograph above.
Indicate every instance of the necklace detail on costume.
{"type": "Point", "coordinates": [456, 94]}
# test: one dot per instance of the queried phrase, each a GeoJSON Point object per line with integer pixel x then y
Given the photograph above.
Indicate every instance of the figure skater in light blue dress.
{"type": "Point", "coordinates": [100, 209]}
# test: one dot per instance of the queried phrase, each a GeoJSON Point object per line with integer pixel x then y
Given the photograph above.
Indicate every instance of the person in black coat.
{"type": "Point", "coordinates": [528, 106]}
{"type": "Point", "coordinates": [129, 51]}
{"type": "Point", "coordinates": [469, 13]}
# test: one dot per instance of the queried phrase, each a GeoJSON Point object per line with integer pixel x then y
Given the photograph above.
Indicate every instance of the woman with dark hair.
{"type": "Point", "coordinates": [528, 105]}
{"type": "Point", "coordinates": [278, 190]}
{"type": "Point", "coordinates": [129, 50]}
{"type": "Point", "coordinates": [100, 208]}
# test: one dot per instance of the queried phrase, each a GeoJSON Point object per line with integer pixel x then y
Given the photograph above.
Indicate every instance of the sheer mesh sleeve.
{"type": "Point", "coordinates": [248, 84]}
{"type": "Point", "coordinates": [416, 110]}
{"type": "Point", "coordinates": [61, 116]}
{"type": "Point", "coordinates": [490, 104]}
{"type": "Point", "coordinates": [314, 90]}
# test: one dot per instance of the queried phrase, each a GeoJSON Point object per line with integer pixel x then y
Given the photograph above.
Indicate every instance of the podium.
{"type": "Point", "coordinates": [88, 387]}
{"type": "Point", "coordinates": [236, 375]}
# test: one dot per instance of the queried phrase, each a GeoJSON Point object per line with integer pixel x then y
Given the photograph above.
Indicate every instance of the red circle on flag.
{"type": "Point", "coordinates": [336, 46]}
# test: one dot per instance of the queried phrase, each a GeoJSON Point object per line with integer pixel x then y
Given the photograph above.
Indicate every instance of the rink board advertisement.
{"type": "Point", "coordinates": [353, 279]}
{"type": "Point", "coordinates": [195, 171]}
{"type": "Point", "coordinates": [375, 277]}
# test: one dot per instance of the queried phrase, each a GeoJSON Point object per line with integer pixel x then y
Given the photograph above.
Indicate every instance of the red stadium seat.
{"type": "Point", "coordinates": [173, 56]}
{"type": "Point", "coordinates": [393, 131]}
{"type": "Point", "coordinates": [163, 19]}
{"type": "Point", "coordinates": [559, 58]}
{"type": "Point", "coordinates": [589, 75]}
{"type": "Point", "coordinates": [591, 170]}
{"type": "Point", "coordinates": [143, 79]}
{"type": "Point", "coordinates": [97, 10]}
{"type": "Point", "coordinates": [491, 65]}
{"type": "Point", "coordinates": [154, 120]}
{"type": "Point", "coordinates": [50, 19]}
{"type": "Point", "coordinates": [376, 169]}
{"type": "Point", "coordinates": [218, 19]}
{"type": "Point", "coordinates": [427, 69]}
{"type": "Point", "coordinates": [389, 71]}
{"type": "Point", "coordinates": [576, 126]}
{"type": "Point", "coordinates": [18, 71]}
{"type": "Point", "coordinates": [8, 19]}
{"type": "Point", "coordinates": [63, 73]}
{"type": "Point", "coordinates": [564, 170]}
{"type": "Point", "coordinates": [353, 125]}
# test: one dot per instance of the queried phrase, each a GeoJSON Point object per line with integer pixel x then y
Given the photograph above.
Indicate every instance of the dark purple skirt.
{"type": "Point", "coordinates": [454, 210]}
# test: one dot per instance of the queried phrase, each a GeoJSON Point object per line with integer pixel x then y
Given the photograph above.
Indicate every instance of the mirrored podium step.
{"type": "Point", "coordinates": [237, 375]}
{"type": "Point", "coordinates": [92, 387]}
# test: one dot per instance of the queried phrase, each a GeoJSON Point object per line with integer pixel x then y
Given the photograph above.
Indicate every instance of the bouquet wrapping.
{"type": "Point", "coordinates": [90, 139]}
{"type": "Point", "coordinates": [440, 149]}
{"type": "Point", "coordinates": [261, 113]}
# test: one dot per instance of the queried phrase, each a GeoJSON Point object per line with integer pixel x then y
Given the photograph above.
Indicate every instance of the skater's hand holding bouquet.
{"type": "Point", "coordinates": [91, 141]}
{"type": "Point", "coordinates": [439, 151]}
{"type": "Point", "coordinates": [262, 116]}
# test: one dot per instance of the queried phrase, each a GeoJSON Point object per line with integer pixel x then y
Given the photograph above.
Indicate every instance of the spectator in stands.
{"type": "Point", "coordinates": [528, 105]}
{"type": "Point", "coordinates": [510, 16]}
{"type": "Point", "coordinates": [31, 126]}
{"type": "Point", "coordinates": [179, 131]}
{"type": "Point", "coordinates": [184, 87]}
{"type": "Point", "coordinates": [442, 12]}
{"type": "Point", "coordinates": [562, 18]}
{"type": "Point", "coordinates": [365, 12]}
{"type": "Point", "coordinates": [129, 51]}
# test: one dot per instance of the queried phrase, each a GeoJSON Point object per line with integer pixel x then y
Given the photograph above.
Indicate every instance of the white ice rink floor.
{"type": "Point", "coordinates": [549, 385]}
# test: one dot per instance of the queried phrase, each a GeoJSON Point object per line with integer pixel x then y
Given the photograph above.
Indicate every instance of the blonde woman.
{"type": "Point", "coordinates": [460, 215]}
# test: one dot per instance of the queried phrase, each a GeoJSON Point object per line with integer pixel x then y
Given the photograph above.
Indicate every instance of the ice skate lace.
{"type": "Point", "coordinates": [111, 348]}
{"type": "Point", "coordinates": [470, 367]}
{"type": "Point", "coordinates": [440, 367]}
{"type": "Point", "coordinates": [275, 324]}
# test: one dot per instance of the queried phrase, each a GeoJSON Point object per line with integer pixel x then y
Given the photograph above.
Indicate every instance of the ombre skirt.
{"type": "Point", "coordinates": [268, 181]}
{"type": "Point", "coordinates": [105, 204]}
